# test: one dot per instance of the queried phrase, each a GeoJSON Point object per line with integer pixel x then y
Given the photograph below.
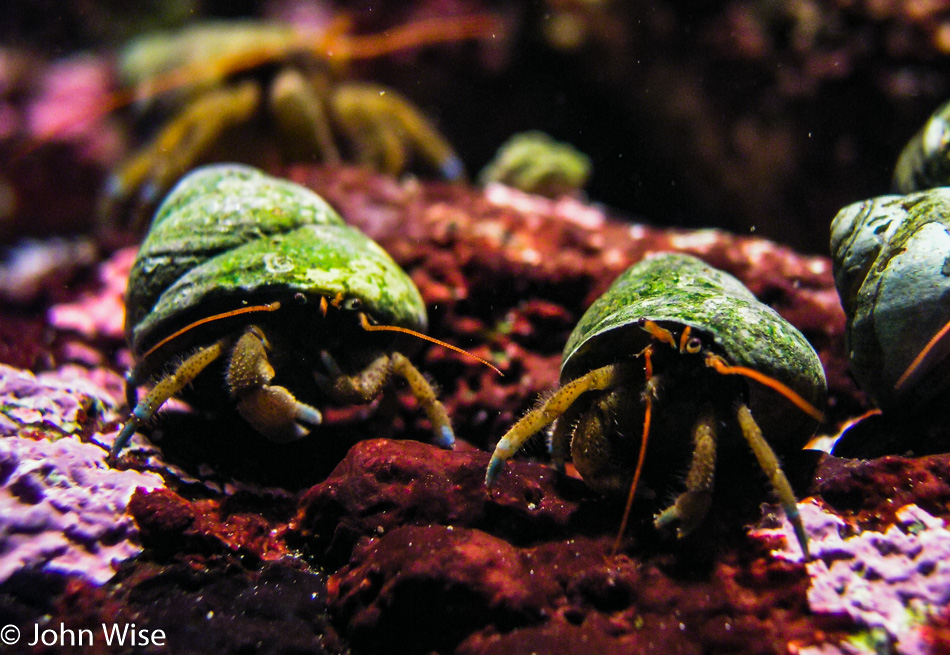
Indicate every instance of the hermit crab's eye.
{"type": "Point", "coordinates": [694, 345]}
{"type": "Point", "coordinates": [353, 304]}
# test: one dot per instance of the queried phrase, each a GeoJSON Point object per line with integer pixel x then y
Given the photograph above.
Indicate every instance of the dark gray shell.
{"type": "Point", "coordinates": [683, 290]}
{"type": "Point", "coordinates": [229, 232]}
{"type": "Point", "coordinates": [892, 270]}
{"type": "Point", "coordinates": [925, 161]}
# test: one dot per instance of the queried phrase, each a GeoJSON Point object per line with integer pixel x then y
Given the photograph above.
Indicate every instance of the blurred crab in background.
{"type": "Point", "coordinates": [236, 88]}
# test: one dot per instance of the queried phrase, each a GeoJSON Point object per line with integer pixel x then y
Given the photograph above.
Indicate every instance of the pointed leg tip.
{"type": "Point", "coordinates": [453, 169]}
{"type": "Point", "coordinates": [121, 440]}
{"type": "Point", "coordinates": [309, 415]}
{"type": "Point", "coordinates": [494, 468]}
{"type": "Point", "coordinates": [445, 438]}
{"type": "Point", "coordinates": [665, 519]}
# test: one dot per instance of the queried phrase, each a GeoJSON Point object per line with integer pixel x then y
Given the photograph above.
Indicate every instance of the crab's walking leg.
{"type": "Point", "coordinates": [178, 146]}
{"type": "Point", "coordinates": [561, 436]}
{"type": "Point", "coordinates": [385, 128]}
{"type": "Point", "coordinates": [365, 385]}
{"type": "Point", "coordinates": [167, 387]}
{"type": "Point", "coordinates": [770, 466]}
{"type": "Point", "coordinates": [692, 505]}
{"type": "Point", "coordinates": [425, 394]}
{"type": "Point", "coordinates": [359, 388]}
{"type": "Point", "coordinates": [303, 118]}
{"type": "Point", "coordinates": [540, 417]}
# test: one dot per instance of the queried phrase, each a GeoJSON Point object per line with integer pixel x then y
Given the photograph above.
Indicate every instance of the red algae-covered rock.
{"type": "Point", "coordinates": [426, 587]}
{"type": "Point", "coordinates": [99, 313]}
{"type": "Point", "coordinates": [871, 491]}
{"type": "Point", "coordinates": [241, 525]}
{"type": "Point", "coordinates": [559, 635]}
{"type": "Point", "coordinates": [431, 560]}
{"type": "Point", "coordinates": [383, 484]}
{"type": "Point", "coordinates": [648, 607]}
{"type": "Point", "coordinates": [271, 609]}
{"type": "Point", "coordinates": [199, 607]}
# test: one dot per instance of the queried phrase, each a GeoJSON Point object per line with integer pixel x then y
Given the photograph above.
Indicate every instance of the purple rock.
{"type": "Point", "coordinates": [62, 508]}
{"type": "Point", "coordinates": [888, 581]}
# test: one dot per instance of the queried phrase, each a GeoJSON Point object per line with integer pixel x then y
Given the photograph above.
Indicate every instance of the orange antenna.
{"type": "Point", "coordinates": [647, 416]}
{"type": "Point", "coordinates": [272, 307]}
{"type": "Point", "coordinates": [364, 321]}
{"type": "Point", "coordinates": [914, 371]}
{"type": "Point", "coordinates": [414, 35]}
{"type": "Point", "coordinates": [722, 367]}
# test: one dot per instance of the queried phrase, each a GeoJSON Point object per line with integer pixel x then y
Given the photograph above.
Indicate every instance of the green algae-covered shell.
{"type": "Point", "coordinates": [151, 55]}
{"type": "Point", "coordinates": [682, 290]}
{"type": "Point", "coordinates": [892, 270]}
{"type": "Point", "coordinates": [535, 163]}
{"type": "Point", "coordinates": [229, 233]}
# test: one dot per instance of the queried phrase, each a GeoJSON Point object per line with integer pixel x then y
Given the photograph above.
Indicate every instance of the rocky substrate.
{"type": "Point", "coordinates": [364, 538]}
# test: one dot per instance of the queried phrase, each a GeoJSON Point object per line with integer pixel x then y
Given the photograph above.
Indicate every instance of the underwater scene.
{"type": "Point", "coordinates": [475, 326]}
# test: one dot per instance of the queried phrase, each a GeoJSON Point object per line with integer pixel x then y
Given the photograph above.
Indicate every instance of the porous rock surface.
{"type": "Point", "coordinates": [364, 537]}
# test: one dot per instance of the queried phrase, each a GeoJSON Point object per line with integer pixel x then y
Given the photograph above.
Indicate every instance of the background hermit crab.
{"type": "Point", "coordinates": [234, 88]}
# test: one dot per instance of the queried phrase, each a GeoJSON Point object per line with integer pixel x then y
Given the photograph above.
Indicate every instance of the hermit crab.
{"type": "Point", "coordinates": [683, 345]}
{"type": "Point", "coordinates": [263, 275]}
{"type": "Point", "coordinates": [240, 84]}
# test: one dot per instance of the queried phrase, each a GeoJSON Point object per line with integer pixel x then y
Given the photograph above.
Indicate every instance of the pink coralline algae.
{"type": "Point", "coordinates": [33, 266]}
{"type": "Point", "coordinates": [99, 313]}
{"type": "Point", "coordinates": [62, 508]}
{"type": "Point", "coordinates": [889, 582]}
{"type": "Point", "coordinates": [71, 400]}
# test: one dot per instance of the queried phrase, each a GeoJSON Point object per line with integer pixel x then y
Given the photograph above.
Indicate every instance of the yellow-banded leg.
{"type": "Point", "coordinates": [178, 147]}
{"type": "Point", "coordinates": [386, 129]}
{"type": "Point", "coordinates": [600, 379]}
{"type": "Point", "coordinates": [167, 387]}
{"type": "Point", "coordinates": [302, 118]}
{"type": "Point", "coordinates": [691, 506]}
{"type": "Point", "coordinates": [770, 466]}
{"type": "Point", "coordinates": [367, 383]}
